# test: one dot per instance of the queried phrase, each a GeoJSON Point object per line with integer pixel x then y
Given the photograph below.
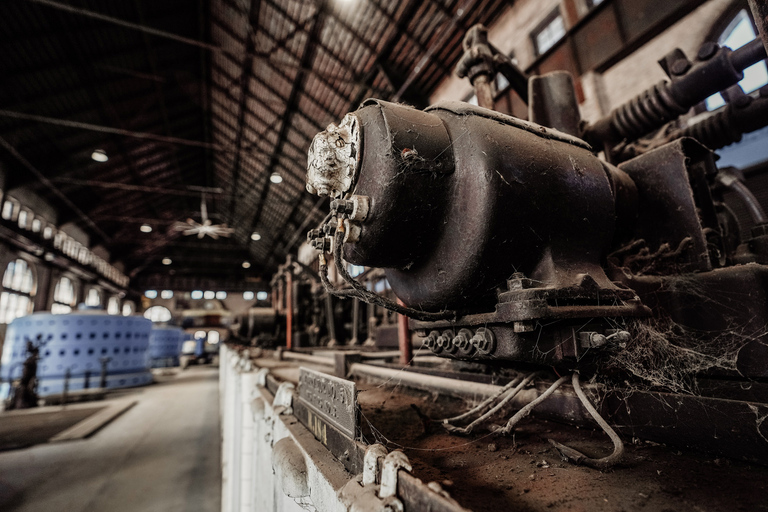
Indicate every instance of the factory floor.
{"type": "Point", "coordinates": [163, 454]}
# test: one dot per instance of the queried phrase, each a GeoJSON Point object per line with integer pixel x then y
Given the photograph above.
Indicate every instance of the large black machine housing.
{"type": "Point", "coordinates": [512, 240]}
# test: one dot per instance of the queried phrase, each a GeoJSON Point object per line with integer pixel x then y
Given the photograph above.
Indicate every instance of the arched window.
{"type": "Point", "coordinates": [93, 298]}
{"type": "Point", "coordinates": [200, 334]}
{"type": "Point", "coordinates": [158, 314]}
{"type": "Point", "coordinates": [18, 290]}
{"type": "Point", "coordinates": [128, 308]}
{"type": "Point", "coordinates": [113, 305]}
{"type": "Point", "coordinates": [739, 32]}
{"type": "Point", "coordinates": [64, 297]}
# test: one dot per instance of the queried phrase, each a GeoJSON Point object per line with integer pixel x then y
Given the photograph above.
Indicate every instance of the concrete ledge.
{"type": "Point", "coordinates": [93, 423]}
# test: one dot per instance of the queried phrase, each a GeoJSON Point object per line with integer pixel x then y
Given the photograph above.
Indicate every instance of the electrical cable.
{"type": "Point", "coordinates": [576, 456]}
{"type": "Point", "coordinates": [468, 429]}
{"type": "Point", "coordinates": [525, 411]}
{"type": "Point", "coordinates": [483, 404]}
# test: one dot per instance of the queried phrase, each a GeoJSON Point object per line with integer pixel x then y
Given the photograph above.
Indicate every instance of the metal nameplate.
{"type": "Point", "coordinates": [330, 399]}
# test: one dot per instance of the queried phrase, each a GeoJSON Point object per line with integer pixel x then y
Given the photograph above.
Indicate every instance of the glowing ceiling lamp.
{"type": "Point", "coordinates": [99, 155]}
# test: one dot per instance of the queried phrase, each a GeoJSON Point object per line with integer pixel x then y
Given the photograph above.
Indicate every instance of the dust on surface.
{"type": "Point", "coordinates": [486, 472]}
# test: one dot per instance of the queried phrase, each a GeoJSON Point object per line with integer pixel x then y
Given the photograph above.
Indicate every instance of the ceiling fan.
{"type": "Point", "coordinates": [206, 227]}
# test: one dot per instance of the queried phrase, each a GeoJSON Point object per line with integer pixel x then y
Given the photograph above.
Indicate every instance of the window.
{"type": "Point", "coordinates": [548, 33]}
{"type": "Point", "coordinates": [247, 295]}
{"type": "Point", "coordinates": [200, 334]}
{"type": "Point", "coordinates": [738, 33]}
{"type": "Point", "coordinates": [18, 290]}
{"type": "Point", "coordinates": [64, 297]}
{"type": "Point", "coordinates": [10, 209]}
{"type": "Point", "coordinates": [158, 314]}
{"type": "Point", "coordinates": [262, 295]}
{"type": "Point", "coordinates": [213, 337]}
{"type": "Point", "coordinates": [128, 308]}
{"type": "Point", "coordinates": [113, 305]}
{"type": "Point", "coordinates": [93, 299]}
{"type": "Point", "coordinates": [25, 219]}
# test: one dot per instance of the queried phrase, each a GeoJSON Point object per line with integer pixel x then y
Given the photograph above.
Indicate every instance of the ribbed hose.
{"type": "Point", "coordinates": [715, 132]}
{"type": "Point", "coordinates": [646, 112]}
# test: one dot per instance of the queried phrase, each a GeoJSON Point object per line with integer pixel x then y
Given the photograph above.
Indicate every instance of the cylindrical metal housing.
{"type": "Point", "coordinates": [462, 197]}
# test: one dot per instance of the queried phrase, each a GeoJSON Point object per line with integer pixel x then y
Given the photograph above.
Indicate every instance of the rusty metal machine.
{"type": "Point", "coordinates": [511, 240]}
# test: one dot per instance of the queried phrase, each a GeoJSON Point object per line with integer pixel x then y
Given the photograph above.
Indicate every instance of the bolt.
{"type": "Point", "coordinates": [342, 207]}
{"type": "Point", "coordinates": [329, 229]}
{"type": "Point", "coordinates": [322, 244]}
{"type": "Point", "coordinates": [312, 234]}
{"type": "Point", "coordinates": [707, 51]}
{"type": "Point", "coordinates": [679, 67]}
{"type": "Point", "coordinates": [431, 342]}
{"type": "Point", "coordinates": [517, 281]}
{"type": "Point", "coordinates": [484, 341]}
{"type": "Point", "coordinates": [742, 101]}
{"type": "Point", "coordinates": [445, 342]}
{"type": "Point", "coordinates": [463, 343]}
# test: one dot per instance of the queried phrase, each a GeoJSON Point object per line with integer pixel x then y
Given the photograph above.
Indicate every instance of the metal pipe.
{"type": "Point", "coordinates": [289, 309]}
{"type": "Point", "coordinates": [483, 91]}
{"type": "Point", "coordinates": [404, 338]}
{"type": "Point", "coordinates": [308, 358]}
{"type": "Point", "coordinates": [475, 391]}
{"type": "Point", "coordinates": [749, 54]}
{"type": "Point", "coordinates": [355, 322]}
{"type": "Point", "coordinates": [330, 320]}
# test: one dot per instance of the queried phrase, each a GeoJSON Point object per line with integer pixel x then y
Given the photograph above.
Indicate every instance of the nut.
{"type": "Point", "coordinates": [484, 341]}
{"type": "Point", "coordinates": [445, 342]}
{"type": "Point", "coordinates": [463, 343]}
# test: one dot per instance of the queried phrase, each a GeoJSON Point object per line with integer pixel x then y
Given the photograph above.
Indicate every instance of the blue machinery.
{"type": "Point", "coordinates": [87, 349]}
{"type": "Point", "coordinates": [165, 346]}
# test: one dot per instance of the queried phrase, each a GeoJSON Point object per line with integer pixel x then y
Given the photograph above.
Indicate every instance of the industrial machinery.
{"type": "Point", "coordinates": [87, 349]}
{"type": "Point", "coordinates": [511, 241]}
{"type": "Point", "coordinates": [164, 346]}
{"type": "Point", "coordinates": [593, 272]}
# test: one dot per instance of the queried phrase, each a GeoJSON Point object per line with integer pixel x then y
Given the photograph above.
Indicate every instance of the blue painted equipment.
{"type": "Point", "coordinates": [164, 346]}
{"type": "Point", "coordinates": [96, 349]}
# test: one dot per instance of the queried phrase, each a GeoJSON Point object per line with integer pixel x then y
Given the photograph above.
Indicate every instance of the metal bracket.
{"type": "Point", "coordinates": [372, 461]}
{"type": "Point", "coordinates": [261, 377]}
{"type": "Point", "coordinates": [284, 398]}
{"type": "Point", "coordinates": [393, 462]}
